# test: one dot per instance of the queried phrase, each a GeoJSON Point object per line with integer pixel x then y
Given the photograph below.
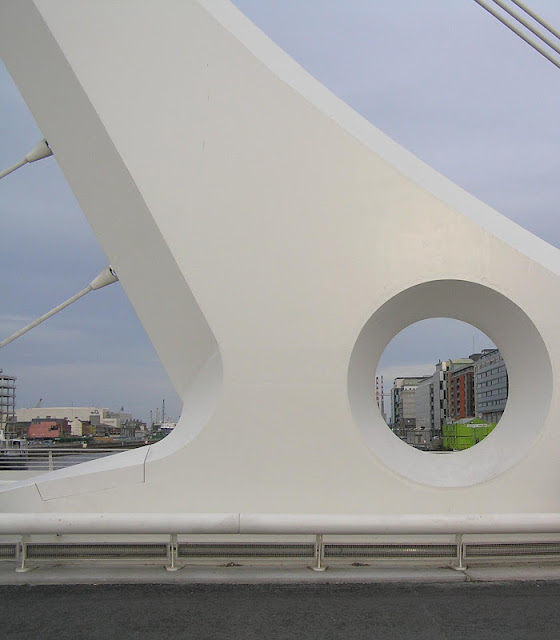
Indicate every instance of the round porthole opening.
{"type": "Point", "coordinates": [529, 381]}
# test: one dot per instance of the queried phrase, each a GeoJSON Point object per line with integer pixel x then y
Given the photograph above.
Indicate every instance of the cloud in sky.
{"type": "Point", "coordinates": [443, 79]}
{"type": "Point", "coordinates": [416, 350]}
{"type": "Point", "coordinates": [415, 345]}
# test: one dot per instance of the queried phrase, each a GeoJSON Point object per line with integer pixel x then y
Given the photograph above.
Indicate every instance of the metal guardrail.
{"type": "Point", "coordinates": [318, 550]}
{"type": "Point", "coordinates": [43, 459]}
{"type": "Point", "coordinates": [316, 554]}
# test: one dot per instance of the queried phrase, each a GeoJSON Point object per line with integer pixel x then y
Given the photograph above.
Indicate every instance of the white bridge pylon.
{"type": "Point", "coordinates": [230, 188]}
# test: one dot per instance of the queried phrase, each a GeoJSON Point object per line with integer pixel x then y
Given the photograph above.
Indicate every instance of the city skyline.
{"type": "Point", "coordinates": [417, 349]}
{"type": "Point", "coordinates": [473, 101]}
{"type": "Point", "coordinates": [430, 412]}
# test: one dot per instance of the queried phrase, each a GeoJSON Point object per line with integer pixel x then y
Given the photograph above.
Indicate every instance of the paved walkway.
{"type": "Point", "coordinates": [49, 573]}
{"type": "Point", "coordinates": [508, 611]}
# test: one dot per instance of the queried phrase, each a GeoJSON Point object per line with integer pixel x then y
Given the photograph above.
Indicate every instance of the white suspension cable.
{"type": "Point", "coordinates": [39, 151]}
{"type": "Point", "coordinates": [537, 18]}
{"type": "Point", "coordinates": [106, 277]}
{"type": "Point", "coordinates": [17, 165]}
{"type": "Point", "coordinates": [528, 25]}
{"type": "Point", "coordinates": [544, 52]}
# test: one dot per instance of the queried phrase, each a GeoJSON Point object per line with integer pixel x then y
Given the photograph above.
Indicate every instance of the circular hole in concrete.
{"type": "Point", "coordinates": [529, 379]}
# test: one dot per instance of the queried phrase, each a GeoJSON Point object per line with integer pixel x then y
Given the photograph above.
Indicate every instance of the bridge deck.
{"type": "Point", "coordinates": [384, 611]}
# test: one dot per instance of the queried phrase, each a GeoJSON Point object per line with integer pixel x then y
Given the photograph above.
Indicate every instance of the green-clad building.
{"type": "Point", "coordinates": [463, 435]}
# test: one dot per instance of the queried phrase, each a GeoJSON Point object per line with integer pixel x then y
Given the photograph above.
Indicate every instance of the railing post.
{"type": "Point", "coordinates": [173, 548]}
{"type": "Point", "coordinates": [459, 542]}
{"type": "Point", "coordinates": [51, 462]}
{"type": "Point", "coordinates": [319, 553]}
{"type": "Point", "coordinates": [23, 555]}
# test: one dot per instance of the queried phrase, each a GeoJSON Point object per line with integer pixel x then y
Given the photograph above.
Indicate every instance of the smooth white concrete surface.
{"type": "Point", "coordinates": [230, 188]}
{"type": "Point", "coordinates": [277, 524]}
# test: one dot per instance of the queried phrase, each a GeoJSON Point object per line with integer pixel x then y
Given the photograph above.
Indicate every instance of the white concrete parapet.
{"type": "Point", "coordinates": [276, 524]}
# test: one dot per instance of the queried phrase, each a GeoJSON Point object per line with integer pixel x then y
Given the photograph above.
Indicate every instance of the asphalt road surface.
{"type": "Point", "coordinates": [380, 611]}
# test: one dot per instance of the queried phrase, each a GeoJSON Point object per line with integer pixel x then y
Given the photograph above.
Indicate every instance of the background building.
{"type": "Point", "coordinates": [441, 378]}
{"type": "Point", "coordinates": [447, 395]}
{"type": "Point", "coordinates": [460, 393]}
{"type": "Point", "coordinates": [403, 404]}
{"type": "Point", "coordinates": [459, 390]}
{"type": "Point", "coordinates": [81, 421]}
{"type": "Point", "coordinates": [424, 402]}
{"type": "Point", "coordinates": [464, 434]}
{"type": "Point", "coordinates": [94, 415]}
{"type": "Point", "coordinates": [491, 381]}
{"type": "Point", "coordinates": [7, 399]}
{"type": "Point", "coordinates": [48, 428]}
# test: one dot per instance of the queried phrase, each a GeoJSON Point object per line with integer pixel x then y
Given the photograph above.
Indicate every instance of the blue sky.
{"type": "Point", "coordinates": [444, 79]}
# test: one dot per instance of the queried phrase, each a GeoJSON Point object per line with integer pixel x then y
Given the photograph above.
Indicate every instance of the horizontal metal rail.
{"type": "Point", "coordinates": [52, 458]}
{"type": "Point", "coordinates": [315, 555]}
{"type": "Point", "coordinates": [263, 523]}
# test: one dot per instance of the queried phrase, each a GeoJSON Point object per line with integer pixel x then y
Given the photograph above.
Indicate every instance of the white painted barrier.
{"type": "Point", "coordinates": [280, 524]}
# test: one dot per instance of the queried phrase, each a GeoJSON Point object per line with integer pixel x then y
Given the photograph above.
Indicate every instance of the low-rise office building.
{"type": "Point", "coordinates": [93, 415]}
{"type": "Point", "coordinates": [48, 428]}
{"type": "Point", "coordinates": [403, 404]}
